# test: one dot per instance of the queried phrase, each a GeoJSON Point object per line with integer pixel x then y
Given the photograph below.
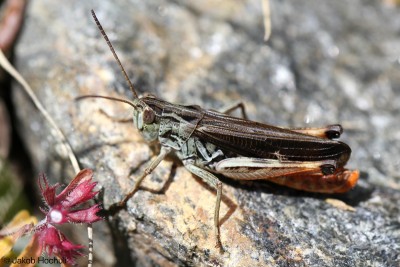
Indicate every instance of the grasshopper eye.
{"type": "Point", "coordinates": [148, 115]}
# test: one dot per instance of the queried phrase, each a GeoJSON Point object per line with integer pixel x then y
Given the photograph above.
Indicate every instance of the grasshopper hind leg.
{"type": "Point", "coordinates": [238, 105]}
{"type": "Point", "coordinates": [314, 181]}
{"type": "Point", "coordinates": [311, 176]}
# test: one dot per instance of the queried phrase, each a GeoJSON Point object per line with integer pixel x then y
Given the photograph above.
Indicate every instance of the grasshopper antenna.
{"type": "Point", "coordinates": [106, 97]}
{"type": "Point", "coordinates": [114, 53]}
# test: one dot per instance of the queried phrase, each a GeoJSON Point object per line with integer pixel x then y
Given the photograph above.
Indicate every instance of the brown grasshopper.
{"type": "Point", "coordinates": [209, 143]}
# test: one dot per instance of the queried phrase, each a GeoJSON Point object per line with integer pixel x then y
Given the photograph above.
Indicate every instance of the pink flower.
{"type": "Point", "coordinates": [61, 208]}
{"type": "Point", "coordinates": [55, 243]}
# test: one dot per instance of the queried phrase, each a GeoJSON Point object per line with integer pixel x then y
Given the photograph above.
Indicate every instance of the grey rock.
{"type": "Point", "coordinates": [326, 62]}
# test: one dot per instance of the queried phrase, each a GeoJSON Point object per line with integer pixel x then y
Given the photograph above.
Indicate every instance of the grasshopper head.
{"type": "Point", "coordinates": [144, 119]}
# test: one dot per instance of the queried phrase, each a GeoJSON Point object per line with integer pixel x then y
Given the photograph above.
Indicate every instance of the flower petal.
{"type": "Point", "coordinates": [82, 176]}
{"type": "Point", "coordinates": [82, 193]}
{"type": "Point", "coordinates": [88, 215]}
{"type": "Point", "coordinates": [48, 192]}
{"type": "Point", "coordinates": [55, 243]}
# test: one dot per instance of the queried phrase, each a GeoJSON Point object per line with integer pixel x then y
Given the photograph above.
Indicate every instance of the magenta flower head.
{"type": "Point", "coordinates": [64, 208]}
{"type": "Point", "coordinates": [53, 242]}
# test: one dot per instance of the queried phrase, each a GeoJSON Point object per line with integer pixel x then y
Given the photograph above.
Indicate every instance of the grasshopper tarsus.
{"type": "Point", "coordinates": [116, 207]}
{"type": "Point", "coordinates": [219, 246]}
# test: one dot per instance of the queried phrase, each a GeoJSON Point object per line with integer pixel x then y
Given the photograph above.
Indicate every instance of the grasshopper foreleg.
{"type": "Point", "coordinates": [164, 151]}
{"type": "Point", "coordinates": [213, 181]}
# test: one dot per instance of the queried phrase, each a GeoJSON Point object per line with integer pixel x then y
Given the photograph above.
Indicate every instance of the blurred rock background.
{"type": "Point", "coordinates": [325, 62]}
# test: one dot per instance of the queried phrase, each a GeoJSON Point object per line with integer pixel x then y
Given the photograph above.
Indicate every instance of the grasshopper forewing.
{"type": "Point", "coordinates": [209, 143]}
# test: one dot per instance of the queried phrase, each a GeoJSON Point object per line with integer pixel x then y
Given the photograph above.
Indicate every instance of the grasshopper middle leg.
{"type": "Point", "coordinates": [213, 181]}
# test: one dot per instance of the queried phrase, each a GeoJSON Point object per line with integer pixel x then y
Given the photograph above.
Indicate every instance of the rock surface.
{"type": "Point", "coordinates": [326, 62]}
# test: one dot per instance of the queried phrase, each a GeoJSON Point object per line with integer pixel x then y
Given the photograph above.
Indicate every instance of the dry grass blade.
{"type": "Point", "coordinates": [58, 133]}
{"type": "Point", "coordinates": [267, 19]}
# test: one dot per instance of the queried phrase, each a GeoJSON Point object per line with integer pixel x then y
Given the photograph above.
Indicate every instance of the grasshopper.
{"type": "Point", "coordinates": [211, 143]}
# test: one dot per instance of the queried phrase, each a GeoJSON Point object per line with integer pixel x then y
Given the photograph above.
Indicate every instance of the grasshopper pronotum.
{"type": "Point", "coordinates": [209, 142]}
